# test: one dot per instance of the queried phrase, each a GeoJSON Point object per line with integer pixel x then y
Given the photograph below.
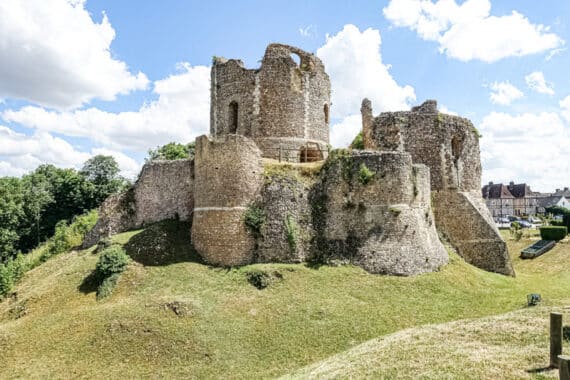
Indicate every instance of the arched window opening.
{"type": "Point", "coordinates": [233, 117]}
{"type": "Point", "coordinates": [296, 58]}
{"type": "Point", "coordinates": [326, 110]}
{"type": "Point", "coordinates": [456, 148]}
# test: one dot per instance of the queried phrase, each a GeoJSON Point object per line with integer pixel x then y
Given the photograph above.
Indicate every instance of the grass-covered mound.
{"type": "Point", "coordinates": [172, 316]}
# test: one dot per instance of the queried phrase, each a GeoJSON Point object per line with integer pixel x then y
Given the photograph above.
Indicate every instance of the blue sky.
{"type": "Point", "coordinates": [79, 78]}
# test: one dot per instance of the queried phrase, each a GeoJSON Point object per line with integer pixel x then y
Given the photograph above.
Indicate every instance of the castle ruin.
{"type": "Point", "coordinates": [383, 208]}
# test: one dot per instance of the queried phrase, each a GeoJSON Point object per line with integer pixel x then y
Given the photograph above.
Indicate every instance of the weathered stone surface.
{"type": "Point", "coordinates": [283, 105]}
{"type": "Point", "coordinates": [449, 146]}
{"type": "Point", "coordinates": [228, 177]}
{"type": "Point", "coordinates": [383, 224]}
{"type": "Point", "coordinates": [116, 214]}
{"type": "Point", "coordinates": [164, 190]}
{"type": "Point", "coordinates": [464, 219]}
{"type": "Point", "coordinates": [285, 199]}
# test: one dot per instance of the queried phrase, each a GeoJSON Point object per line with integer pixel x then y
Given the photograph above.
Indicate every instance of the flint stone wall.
{"type": "Point", "coordinates": [164, 190]}
{"type": "Point", "coordinates": [228, 177]}
{"type": "Point", "coordinates": [285, 199]}
{"type": "Point", "coordinates": [282, 104]}
{"type": "Point", "coordinates": [386, 225]}
{"type": "Point", "coordinates": [449, 146]}
{"type": "Point", "coordinates": [464, 218]}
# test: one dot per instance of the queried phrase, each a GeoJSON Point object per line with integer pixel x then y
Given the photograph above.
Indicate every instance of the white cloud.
{"type": "Point", "coordinates": [21, 154]}
{"type": "Point", "coordinates": [527, 147]}
{"type": "Point", "coordinates": [504, 93]}
{"type": "Point", "coordinates": [536, 82]}
{"type": "Point", "coordinates": [180, 113]}
{"type": "Point", "coordinates": [345, 131]}
{"type": "Point", "coordinates": [52, 53]}
{"type": "Point", "coordinates": [565, 105]}
{"type": "Point", "coordinates": [443, 109]}
{"type": "Point", "coordinates": [307, 31]}
{"type": "Point", "coordinates": [468, 31]}
{"type": "Point", "coordinates": [353, 61]}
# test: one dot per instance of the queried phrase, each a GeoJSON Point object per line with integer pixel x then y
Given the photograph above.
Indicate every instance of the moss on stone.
{"type": "Point", "coordinates": [365, 175]}
{"type": "Point", "coordinates": [292, 231]}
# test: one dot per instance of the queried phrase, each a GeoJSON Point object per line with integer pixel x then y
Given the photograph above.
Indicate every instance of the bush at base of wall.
{"type": "Point", "coordinates": [553, 233]}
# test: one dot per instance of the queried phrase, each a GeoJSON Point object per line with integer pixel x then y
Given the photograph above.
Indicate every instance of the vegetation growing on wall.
{"type": "Point", "coordinates": [292, 232]}
{"type": "Point", "coordinates": [254, 218]}
{"type": "Point", "coordinates": [358, 142]}
{"type": "Point", "coordinates": [365, 175]}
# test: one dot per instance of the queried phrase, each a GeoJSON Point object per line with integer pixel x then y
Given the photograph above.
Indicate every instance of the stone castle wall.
{"type": "Point", "coordinates": [449, 146]}
{"type": "Point", "coordinates": [283, 104]}
{"type": "Point", "coordinates": [228, 177]}
{"type": "Point", "coordinates": [164, 190]}
{"type": "Point", "coordinates": [384, 225]}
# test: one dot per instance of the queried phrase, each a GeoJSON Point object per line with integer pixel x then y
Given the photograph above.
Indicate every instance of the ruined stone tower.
{"type": "Point", "coordinates": [380, 208]}
{"type": "Point", "coordinates": [449, 146]}
{"type": "Point", "coordinates": [283, 106]}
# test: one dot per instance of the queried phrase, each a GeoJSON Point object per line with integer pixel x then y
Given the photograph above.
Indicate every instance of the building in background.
{"type": "Point", "coordinates": [519, 200]}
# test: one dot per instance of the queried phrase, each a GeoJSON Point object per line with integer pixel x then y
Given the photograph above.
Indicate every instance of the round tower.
{"type": "Point", "coordinates": [284, 105]}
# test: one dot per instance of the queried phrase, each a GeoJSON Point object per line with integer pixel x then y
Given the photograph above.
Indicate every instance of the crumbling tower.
{"type": "Point", "coordinates": [283, 106]}
{"type": "Point", "coordinates": [449, 146]}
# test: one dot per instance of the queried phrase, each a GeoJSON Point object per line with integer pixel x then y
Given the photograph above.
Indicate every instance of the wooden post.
{"type": "Point", "coordinates": [306, 152]}
{"type": "Point", "coordinates": [564, 371]}
{"type": "Point", "coordinates": [555, 338]}
{"type": "Point", "coordinates": [280, 152]}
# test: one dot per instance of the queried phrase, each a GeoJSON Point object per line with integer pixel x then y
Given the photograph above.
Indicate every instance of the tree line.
{"type": "Point", "coordinates": [31, 206]}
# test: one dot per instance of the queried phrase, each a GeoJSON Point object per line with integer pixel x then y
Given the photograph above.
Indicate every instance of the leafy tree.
{"type": "Point", "coordinates": [358, 142]}
{"type": "Point", "coordinates": [11, 214]}
{"type": "Point", "coordinates": [171, 151]}
{"type": "Point", "coordinates": [103, 174]}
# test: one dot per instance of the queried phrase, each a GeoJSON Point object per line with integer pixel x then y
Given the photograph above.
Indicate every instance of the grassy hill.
{"type": "Point", "coordinates": [173, 316]}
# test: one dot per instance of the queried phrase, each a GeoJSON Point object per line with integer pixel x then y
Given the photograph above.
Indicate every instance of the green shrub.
{"type": "Point", "coordinates": [553, 232]}
{"type": "Point", "coordinates": [358, 142]}
{"type": "Point", "coordinates": [6, 280]}
{"type": "Point", "coordinates": [292, 231]}
{"type": "Point", "coordinates": [107, 286]}
{"type": "Point", "coordinates": [103, 244]}
{"type": "Point", "coordinates": [113, 260]}
{"type": "Point", "coordinates": [516, 231]}
{"type": "Point", "coordinates": [254, 218]}
{"type": "Point", "coordinates": [365, 174]}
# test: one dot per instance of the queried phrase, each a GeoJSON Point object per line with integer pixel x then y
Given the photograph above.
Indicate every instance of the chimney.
{"type": "Point", "coordinates": [565, 189]}
{"type": "Point", "coordinates": [557, 190]}
{"type": "Point", "coordinates": [491, 183]}
{"type": "Point", "coordinates": [511, 183]}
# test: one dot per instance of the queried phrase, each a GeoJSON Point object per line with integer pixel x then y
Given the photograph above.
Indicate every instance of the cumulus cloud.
{"type": "Point", "coordinates": [20, 153]}
{"type": "Point", "coordinates": [468, 31]}
{"type": "Point", "coordinates": [529, 147]}
{"type": "Point", "coordinates": [565, 106]}
{"type": "Point", "coordinates": [504, 93]}
{"type": "Point", "coordinates": [354, 64]}
{"type": "Point", "coordinates": [536, 82]}
{"type": "Point", "coordinates": [180, 113]}
{"type": "Point", "coordinates": [52, 53]}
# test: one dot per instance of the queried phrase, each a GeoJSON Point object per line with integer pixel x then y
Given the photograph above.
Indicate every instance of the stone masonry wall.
{"type": "Point", "coordinates": [287, 231]}
{"type": "Point", "coordinates": [164, 190]}
{"type": "Point", "coordinates": [384, 223]}
{"type": "Point", "coordinates": [449, 146]}
{"type": "Point", "coordinates": [228, 177]}
{"type": "Point", "coordinates": [231, 82]}
{"type": "Point", "coordinates": [282, 104]}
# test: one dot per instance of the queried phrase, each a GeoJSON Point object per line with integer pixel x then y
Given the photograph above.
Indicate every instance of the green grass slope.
{"type": "Point", "coordinates": [173, 316]}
